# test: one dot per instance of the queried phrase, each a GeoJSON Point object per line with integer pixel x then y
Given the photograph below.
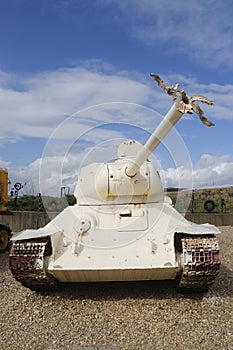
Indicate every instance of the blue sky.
{"type": "Point", "coordinates": [71, 69]}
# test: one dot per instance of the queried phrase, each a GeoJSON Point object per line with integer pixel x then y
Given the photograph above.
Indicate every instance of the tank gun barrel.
{"type": "Point", "coordinates": [171, 118]}
{"type": "Point", "coordinates": [183, 104]}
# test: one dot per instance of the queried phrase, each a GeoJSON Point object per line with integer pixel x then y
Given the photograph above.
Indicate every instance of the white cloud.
{"type": "Point", "coordinates": [209, 171]}
{"type": "Point", "coordinates": [201, 29]}
{"type": "Point", "coordinates": [49, 174]}
{"type": "Point", "coordinates": [44, 100]}
{"type": "Point", "coordinates": [4, 164]}
{"type": "Point", "coordinates": [43, 103]}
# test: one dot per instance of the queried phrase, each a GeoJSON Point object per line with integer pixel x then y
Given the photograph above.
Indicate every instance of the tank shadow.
{"type": "Point", "coordinates": [116, 290]}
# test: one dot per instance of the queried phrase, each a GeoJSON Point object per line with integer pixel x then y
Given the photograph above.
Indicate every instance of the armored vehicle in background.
{"type": "Point", "coordinates": [122, 227]}
{"type": "Point", "coordinates": [5, 231]}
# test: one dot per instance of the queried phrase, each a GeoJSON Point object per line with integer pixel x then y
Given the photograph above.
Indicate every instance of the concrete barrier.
{"type": "Point", "coordinates": [21, 220]}
{"type": "Point", "coordinates": [217, 219]}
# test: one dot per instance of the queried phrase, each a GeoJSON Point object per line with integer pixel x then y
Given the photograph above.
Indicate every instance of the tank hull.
{"type": "Point", "coordinates": [124, 244]}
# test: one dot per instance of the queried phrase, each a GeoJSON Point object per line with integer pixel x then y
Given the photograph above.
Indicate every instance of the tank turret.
{"type": "Point", "coordinates": [108, 183]}
{"type": "Point", "coordinates": [122, 227]}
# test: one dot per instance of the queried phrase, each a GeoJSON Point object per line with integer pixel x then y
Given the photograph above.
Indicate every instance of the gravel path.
{"type": "Point", "coordinates": [113, 316]}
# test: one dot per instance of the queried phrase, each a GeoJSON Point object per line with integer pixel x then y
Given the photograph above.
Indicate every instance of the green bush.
{"type": "Point", "coordinates": [36, 203]}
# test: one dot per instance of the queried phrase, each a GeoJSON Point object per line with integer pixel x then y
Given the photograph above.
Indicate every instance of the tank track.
{"type": "Point", "coordinates": [28, 263]}
{"type": "Point", "coordinates": [201, 263]}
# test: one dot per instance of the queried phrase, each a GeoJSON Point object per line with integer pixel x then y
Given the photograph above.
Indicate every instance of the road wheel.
{"type": "Point", "coordinates": [209, 206]}
{"type": "Point", "coordinates": [5, 235]}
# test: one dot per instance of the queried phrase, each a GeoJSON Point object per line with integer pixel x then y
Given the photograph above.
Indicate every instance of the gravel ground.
{"type": "Point", "coordinates": [113, 316]}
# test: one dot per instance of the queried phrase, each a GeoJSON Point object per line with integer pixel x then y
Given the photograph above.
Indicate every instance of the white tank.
{"type": "Point", "coordinates": [122, 227]}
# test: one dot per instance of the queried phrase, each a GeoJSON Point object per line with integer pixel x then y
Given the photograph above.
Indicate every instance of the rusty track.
{"type": "Point", "coordinates": [201, 263]}
{"type": "Point", "coordinates": [200, 260]}
{"type": "Point", "coordinates": [28, 262]}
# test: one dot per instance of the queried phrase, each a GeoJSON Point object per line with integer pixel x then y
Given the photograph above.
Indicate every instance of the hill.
{"type": "Point", "coordinates": [216, 199]}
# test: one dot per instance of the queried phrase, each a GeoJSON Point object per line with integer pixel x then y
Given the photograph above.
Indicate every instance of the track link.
{"type": "Point", "coordinates": [28, 263]}
{"type": "Point", "coordinates": [201, 263]}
